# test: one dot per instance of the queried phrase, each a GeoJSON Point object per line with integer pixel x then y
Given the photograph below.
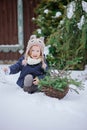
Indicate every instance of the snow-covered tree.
{"type": "Point", "coordinates": [49, 14]}
{"type": "Point", "coordinates": [69, 42]}
{"type": "Point", "coordinates": [63, 23]}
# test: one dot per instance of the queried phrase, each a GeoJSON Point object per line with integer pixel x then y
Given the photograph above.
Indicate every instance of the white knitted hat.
{"type": "Point", "coordinates": [36, 41]}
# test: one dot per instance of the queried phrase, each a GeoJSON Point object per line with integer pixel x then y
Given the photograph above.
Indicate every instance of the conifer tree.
{"type": "Point", "coordinates": [49, 14]}
{"type": "Point", "coordinates": [69, 42]}
{"type": "Point", "coordinates": [64, 25]}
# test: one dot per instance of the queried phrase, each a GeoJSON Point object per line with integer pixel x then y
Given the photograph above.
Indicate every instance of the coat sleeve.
{"type": "Point", "coordinates": [15, 68]}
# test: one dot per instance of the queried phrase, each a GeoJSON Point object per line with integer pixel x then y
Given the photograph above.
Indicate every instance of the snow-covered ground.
{"type": "Point", "coordinates": [22, 111]}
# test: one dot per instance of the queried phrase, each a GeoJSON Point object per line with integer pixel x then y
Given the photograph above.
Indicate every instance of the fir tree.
{"type": "Point", "coordinates": [49, 14]}
{"type": "Point", "coordinates": [69, 42]}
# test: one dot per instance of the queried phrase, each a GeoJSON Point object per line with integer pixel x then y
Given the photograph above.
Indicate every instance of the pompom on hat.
{"type": "Point", "coordinates": [36, 41]}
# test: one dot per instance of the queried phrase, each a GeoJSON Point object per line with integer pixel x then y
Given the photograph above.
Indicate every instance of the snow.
{"type": "Point", "coordinates": [22, 111]}
{"type": "Point", "coordinates": [81, 22]}
{"type": "Point", "coordinates": [71, 8]}
{"type": "Point", "coordinates": [84, 5]}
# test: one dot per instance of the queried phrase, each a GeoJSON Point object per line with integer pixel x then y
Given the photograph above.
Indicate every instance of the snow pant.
{"type": "Point", "coordinates": [28, 84]}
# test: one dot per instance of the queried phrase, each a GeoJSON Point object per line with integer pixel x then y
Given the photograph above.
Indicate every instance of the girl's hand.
{"type": "Point", "coordinates": [24, 62]}
{"type": "Point", "coordinates": [36, 81]}
{"type": "Point", "coordinates": [44, 66]}
{"type": "Point", "coordinates": [6, 70]}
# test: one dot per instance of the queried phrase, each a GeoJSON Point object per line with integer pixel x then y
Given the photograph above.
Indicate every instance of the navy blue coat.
{"type": "Point", "coordinates": [34, 70]}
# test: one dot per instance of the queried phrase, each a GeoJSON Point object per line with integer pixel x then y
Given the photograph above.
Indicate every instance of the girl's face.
{"type": "Point", "coordinates": [35, 52]}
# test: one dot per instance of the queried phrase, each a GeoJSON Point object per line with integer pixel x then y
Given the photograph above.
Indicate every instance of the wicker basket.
{"type": "Point", "coordinates": [50, 91]}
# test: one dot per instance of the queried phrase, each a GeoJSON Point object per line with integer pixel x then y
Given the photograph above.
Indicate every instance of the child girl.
{"type": "Point", "coordinates": [32, 65]}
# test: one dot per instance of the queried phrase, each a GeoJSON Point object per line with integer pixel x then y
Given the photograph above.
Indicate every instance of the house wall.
{"type": "Point", "coordinates": [28, 11]}
{"type": "Point", "coordinates": [14, 35]}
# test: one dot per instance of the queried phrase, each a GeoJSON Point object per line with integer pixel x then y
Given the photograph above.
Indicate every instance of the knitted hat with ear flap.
{"type": "Point", "coordinates": [35, 41]}
{"type": "Point", "coordinates": [39, 42]}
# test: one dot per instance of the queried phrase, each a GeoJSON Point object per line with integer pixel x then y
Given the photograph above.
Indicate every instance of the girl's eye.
{"type": "Point", "coordinates": [36, 51]}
